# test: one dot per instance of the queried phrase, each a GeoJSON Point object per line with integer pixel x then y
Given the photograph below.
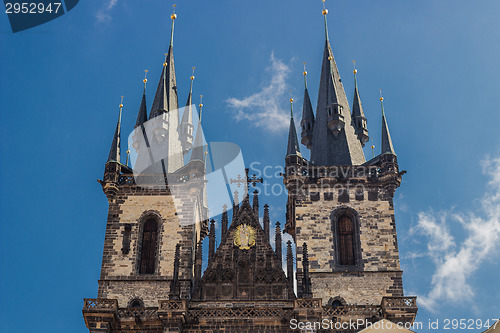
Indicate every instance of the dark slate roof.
{"type": "Point", "coordinates": [293, 142]}
{"type": "Point", "coordinates": [387, 146]}
{"type": "Point", "coordinates": [166, 94]}
{"type": "Point", "coordinates": [197, 152]}
{"type": "Point", "coordinates": [307, 110]}
{"type": "Point", "coordinates": [142, 116]}
{"type": "Point", "coordinates": [114, 152]}
{"type": "Point", "coordinates": [357, 108]}
{"type": "Point", "coordinates": [187, 117]}
{"type": "Point", "coordinates": [328, 149]}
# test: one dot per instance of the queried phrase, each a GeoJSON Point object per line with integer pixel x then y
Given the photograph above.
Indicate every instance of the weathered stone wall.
{"type": "Point", "coordinates": [355, 288]}
{"type": "Point", "coordinates": [377, 249]}
{"type": "Point", "coordinates": [120, 276]}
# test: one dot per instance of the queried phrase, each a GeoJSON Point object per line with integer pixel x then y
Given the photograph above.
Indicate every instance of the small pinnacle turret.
{"type": "Point", "coordinates": [358, 116]}
{"type": "Point", "coordinates": [387, 147]}
{"type": "Point", "coordinates": [114, 152]}
{"type": "Point", "coordinates": [307, 122]}
{"type": "Point", "coordinates": [142, 116]}
{"type": "Point", "coordinates": [198, 151]}
{"type": "Point", "coordinates": [187, 121]}
{"type": "Point", "coordinates": [293, 142]}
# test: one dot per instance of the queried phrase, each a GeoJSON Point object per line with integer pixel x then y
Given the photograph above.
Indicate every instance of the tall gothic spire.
{"type": "Point", "coordinates": [334, 141]}
{"type": "Point", "coordinates": [293, 142]}
{"type": "Point", "coordinates": [387, 147]}
{"type": "Point", "coordinates": [166, 93]}
{"type": "Point", "coordinates": [114, 152]}
{"type": "Point", "coordinates": [307, 122]}
{"type": "Point", "coordinates": [142, 116]}
{"type": "Point", "coordinates": [358, 116]}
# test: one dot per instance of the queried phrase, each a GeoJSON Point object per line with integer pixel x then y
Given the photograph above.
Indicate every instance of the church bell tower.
{"type": "Point", "coordinates": [340, 209]}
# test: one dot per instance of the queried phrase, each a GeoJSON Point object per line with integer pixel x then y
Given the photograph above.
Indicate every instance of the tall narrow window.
{"type": "Point", "coordinates": [346, 240]}
{"type": "Point", "coordinates": [148, 247]}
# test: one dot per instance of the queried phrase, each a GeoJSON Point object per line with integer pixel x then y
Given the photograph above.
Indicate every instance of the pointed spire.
{"type": "Point", "coordinates": [307, 122]}
{"type": "Point", "coordinates": [334, 141]}
{"type": "Point", "coordinates": [166, 93]}
{"type": "Point", "coordinates": [114, 152]}
{"type": "Point", "coordinates": [174, 289]}
{"type": "Point", "coordinates": [266, 221]}
{"type": "Point", "coordinates": [173, 17]}
{"type": "Point", "coordinates": [142, 116]}
{"type": "Point", "coordinates": [293, 142]}
{"type": "Point", "coordinates": [358, 116]}
{"type": "Point", "coordinates": [289, 263]}
{"type": "Point", "coordinates": [255, 203]}
{"type": "Point", "coordinates": [277, 236]}
{"type": "Point", "coordinates": [224, 221]}
{"type": "Point", "coordinates": [187, 121]}
{"type": "Point", "coordinates": [198, 263]}
{"type": "Point", "coordinates": [211, 240]}
{"type": "Point", "coordinates": [324, 12]}
{"type": "Point", "coordinates": [387, 147]}
{"type": "Point", "coordinates": [198, 151]}
{"type": "Point", "coordinates": [306, 280]}
{"type": "Point", "coordinates": [236, 205]}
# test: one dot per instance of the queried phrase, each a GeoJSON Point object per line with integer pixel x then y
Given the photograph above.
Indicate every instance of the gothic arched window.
{"type": "Point", "coordinates": [346, 240]}
{"type": "Point", "coordinates": [148, 246]}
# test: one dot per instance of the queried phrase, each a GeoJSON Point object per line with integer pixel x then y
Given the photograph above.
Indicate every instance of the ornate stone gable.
{"type": "Point", "coordinates": [251, 272]}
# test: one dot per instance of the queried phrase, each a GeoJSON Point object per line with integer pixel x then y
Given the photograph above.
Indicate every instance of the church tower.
{"type": "Point", "coordinates": [339, 212]}
{"type": "Point", "coordinates": [340, 209]}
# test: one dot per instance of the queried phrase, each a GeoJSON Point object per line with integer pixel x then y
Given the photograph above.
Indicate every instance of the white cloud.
{"type": "Point", "coordinates": [264, 108]}
{"type": "Point", "coordinates": [456, 261]}
{"type": "Point", "coordinates": [102, 14]}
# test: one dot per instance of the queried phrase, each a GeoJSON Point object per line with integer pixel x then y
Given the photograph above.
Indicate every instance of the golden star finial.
{"type": "Point", "coordinates": [174, 15]}
{"type": "Point", "coordinates": [325, 11]}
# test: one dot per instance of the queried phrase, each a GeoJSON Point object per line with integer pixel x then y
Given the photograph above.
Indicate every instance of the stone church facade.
{"type": "Point", "coordinates": [339, 212]}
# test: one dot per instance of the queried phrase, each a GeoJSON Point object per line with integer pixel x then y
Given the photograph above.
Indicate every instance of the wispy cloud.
{"type": "Point", "coordinates": [103, 13]}
{"type": "Point", "coordinates": [456, 261]}
{"type": "Point", "coordinates": [264, 108]}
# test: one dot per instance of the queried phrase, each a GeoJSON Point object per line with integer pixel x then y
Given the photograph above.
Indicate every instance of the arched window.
{"type": "Point", "coordinates": [346, 240]}
{"type": "Point", "coordinates": [135, 303]}
{"type": "Point", "coordinates": [148, 246]}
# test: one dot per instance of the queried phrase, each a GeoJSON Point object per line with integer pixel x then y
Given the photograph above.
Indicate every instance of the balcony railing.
{"type": "Point", "coordinates": [399, 302]}
{"type": "Point", "coordinates": [100, 304]}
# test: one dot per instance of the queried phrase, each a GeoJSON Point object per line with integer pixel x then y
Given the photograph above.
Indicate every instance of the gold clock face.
{"type": "Point", "coordinates": [244, 237]}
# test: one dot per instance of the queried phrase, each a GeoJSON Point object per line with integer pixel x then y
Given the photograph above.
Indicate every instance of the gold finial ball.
{"type": "Point", "coordinates": [201, 105]}
{"type": "Point", "coordinates": [164, 64]}
{"type": "Point", "coordinates": [381, 98]}
{"type": "Point", "coordinates": [291, 100]}
{"type": "Point", "coordinates": [145, 80]}
{"type": "Point", "coordinates": [324, 11]}
{"type": "Point", "coordinates": [192, 77]}
{"type": "Point", "coordinates": [173, 16]}
{"type": "Point", "coordinates": [329, 57]}
{"type": "Point", "coordinates": [355, 71]}
{"type": "Point", "coordinates": [121, 105]}
{"type": "Point", "coordinates": [305, 73]}
{"type": "Point", "coordinates": [128, 151]}
{"type": "Point", "coordinates": [373, 147]}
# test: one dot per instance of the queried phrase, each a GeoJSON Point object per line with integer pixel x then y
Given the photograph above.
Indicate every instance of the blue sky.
{"type": "Point", "coordinates": [60, 85]}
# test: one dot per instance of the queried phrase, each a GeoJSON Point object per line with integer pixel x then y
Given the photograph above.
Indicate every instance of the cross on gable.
{"type": "Point", "coordinates": [247, 181]}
